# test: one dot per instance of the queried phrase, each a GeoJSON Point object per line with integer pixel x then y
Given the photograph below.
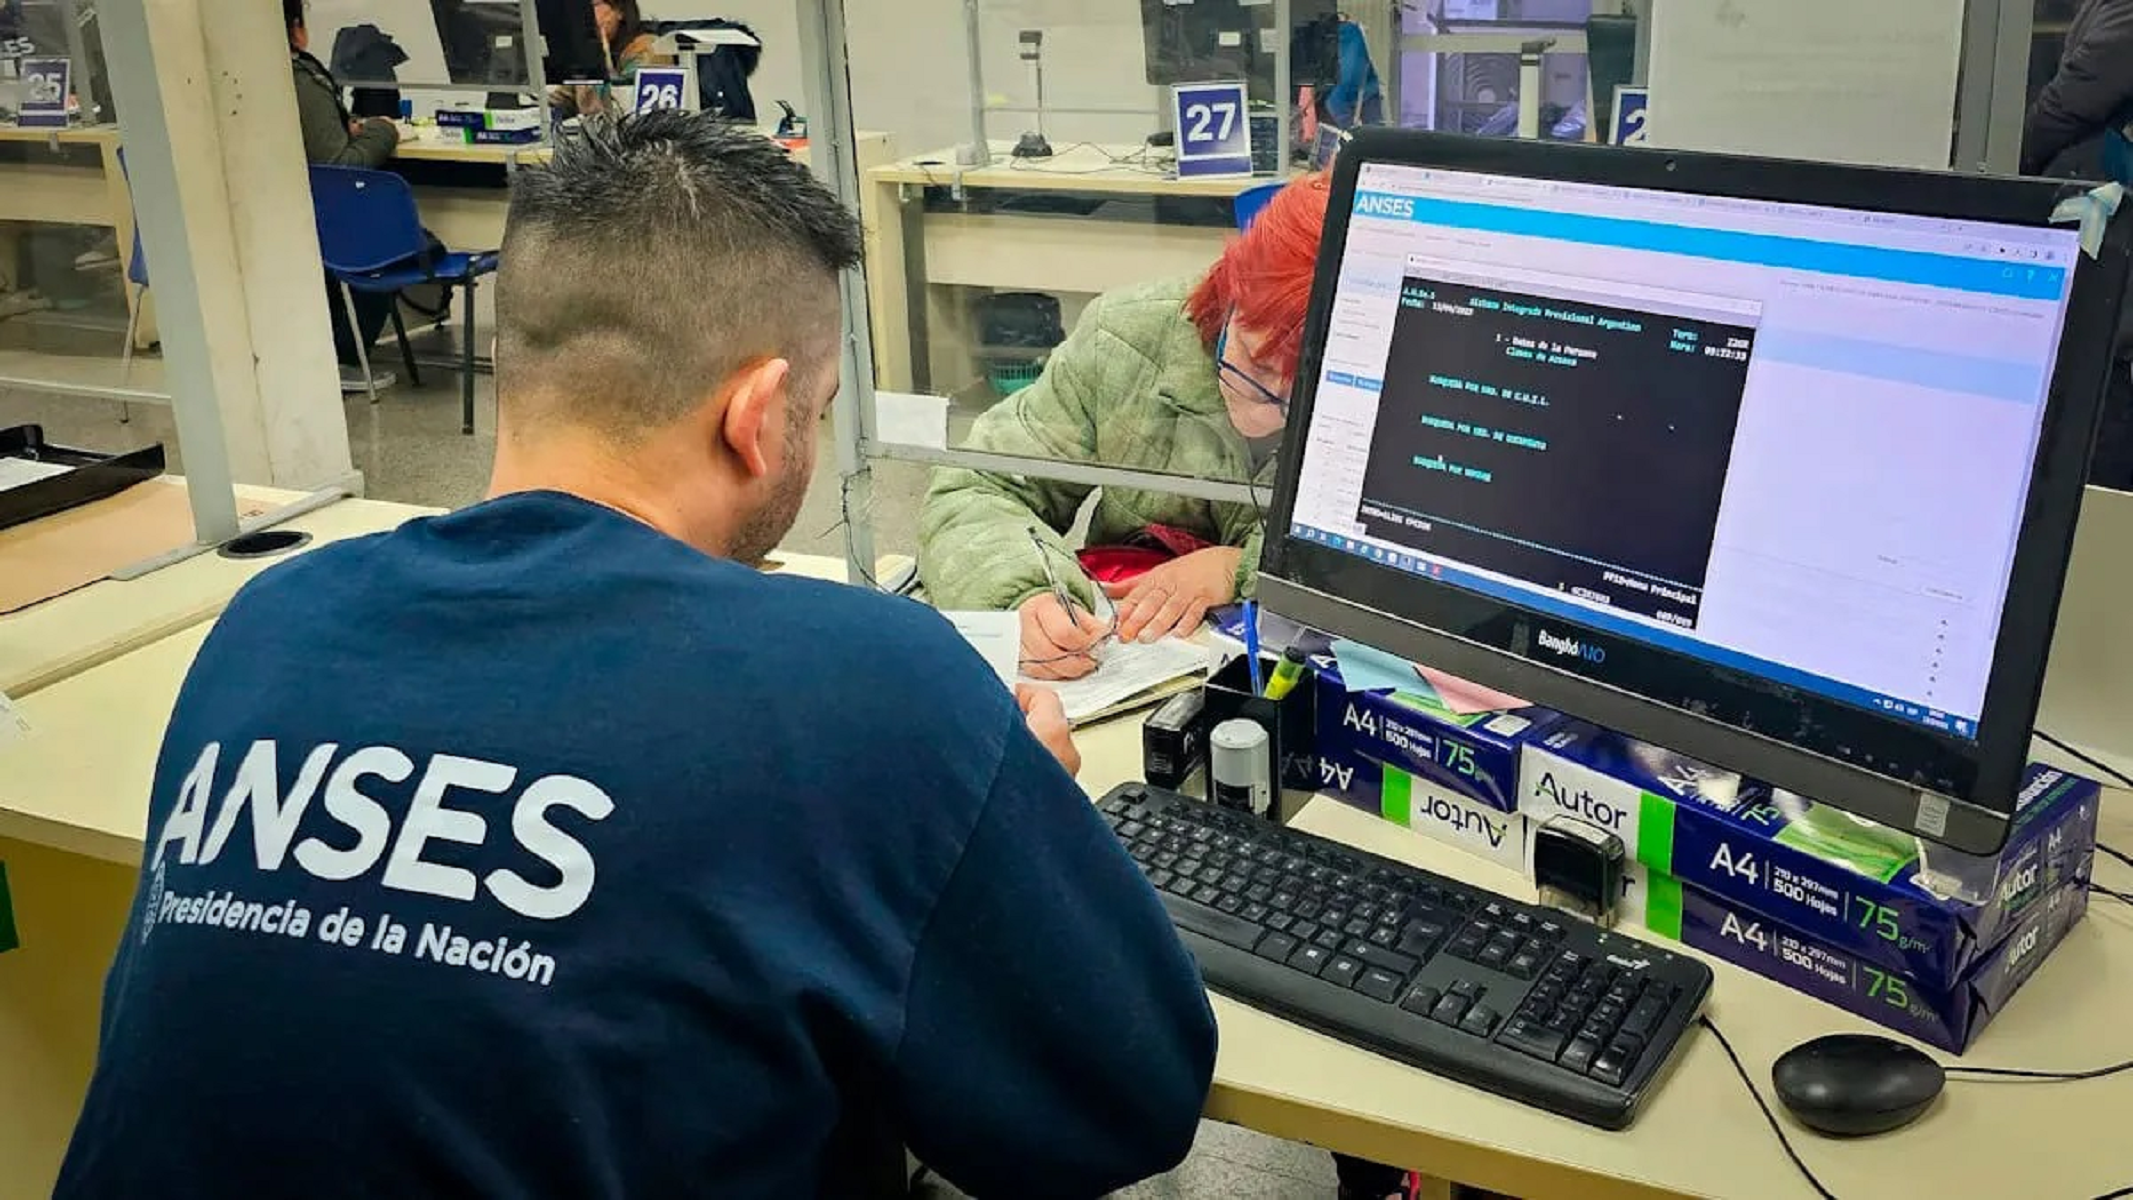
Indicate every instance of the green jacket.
{"type": "Point", "coordinates": [323, 120]}
{"type": "Point", "coordinates": [1131, 387]}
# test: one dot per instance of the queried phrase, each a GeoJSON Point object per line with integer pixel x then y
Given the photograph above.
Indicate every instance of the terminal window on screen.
{"type": "Point", "coordinates": [1575, 445]}
{"type": "Point", "coordinates": [1792, 440]}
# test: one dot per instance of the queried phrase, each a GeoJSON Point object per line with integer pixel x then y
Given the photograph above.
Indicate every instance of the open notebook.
{"type": "Point", "coordinates": [1127, 675]}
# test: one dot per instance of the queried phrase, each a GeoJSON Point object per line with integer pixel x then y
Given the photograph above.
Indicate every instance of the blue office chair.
{"type": "Point", "coordinates": [372, 241]}
{"type": "Point", "coordinates": [1250, 201]}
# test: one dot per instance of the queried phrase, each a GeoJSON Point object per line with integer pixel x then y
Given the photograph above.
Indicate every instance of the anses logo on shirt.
{"type": "Point", "coordinates": [342, 785]}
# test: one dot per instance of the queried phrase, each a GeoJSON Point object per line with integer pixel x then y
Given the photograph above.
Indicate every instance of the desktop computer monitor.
{"type": "Point", "coordinates": [1774, 464]}
{"type": "Point", "coordinates": [574, 49]}
{"type": "Point", "coordinates": [1208, 40]}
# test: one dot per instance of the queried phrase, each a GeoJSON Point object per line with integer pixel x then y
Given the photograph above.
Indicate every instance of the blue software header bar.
{"type": "Point", "coordinates": [1763, 249]}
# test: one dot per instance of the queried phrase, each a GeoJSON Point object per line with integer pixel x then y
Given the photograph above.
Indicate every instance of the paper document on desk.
{"type": "Point", "coordinates": [14, 472]}
{"type": "Point", "coordinates": [1127, 671]}
{"type": "Point", "coordinates": [996, 636]}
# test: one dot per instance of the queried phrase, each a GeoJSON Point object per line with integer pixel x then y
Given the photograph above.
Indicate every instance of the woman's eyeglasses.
{"type": "Point", "coordinates": [1255, 389]}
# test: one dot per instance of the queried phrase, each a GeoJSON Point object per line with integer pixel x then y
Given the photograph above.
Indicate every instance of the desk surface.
{"type": "Point", "coordinates": [62, 636]}
{"type": "Point", "coordinates": [79, 785]}
{"type": "Point", "coordinates": [86, 134]}
{"type": "Point", "coordinates": [1700, 1134]}
{"type": "Point", "coordinates": [1084, 167]}
{"type": "Point", "coordinates": [434, 146]}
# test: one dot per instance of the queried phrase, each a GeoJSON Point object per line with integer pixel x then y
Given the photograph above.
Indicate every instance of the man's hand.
{"type": "Point", "coordinates": [1174, 598]}
{"type": "Point", "coordinates": [1047, 720]}
{"type": "Point", "coordinates": [1056, 644]}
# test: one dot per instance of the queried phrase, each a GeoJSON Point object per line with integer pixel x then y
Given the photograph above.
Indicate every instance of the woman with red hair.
{"type": "Point", "coordinates": [1186, 376]}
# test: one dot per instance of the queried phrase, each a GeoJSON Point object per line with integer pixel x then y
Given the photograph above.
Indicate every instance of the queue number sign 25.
{"type": "Point", "coordinates": [660, 87]}
{"type": "Point", "coordinates": [44, 92]}
{"type": "Point", "coordinates": [1214, 129]}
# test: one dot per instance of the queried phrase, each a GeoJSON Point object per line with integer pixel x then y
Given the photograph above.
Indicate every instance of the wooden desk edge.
{"type": "Point", "coordinates": [121, 849]}
{"type": "Point", "coordinates": [138, 637]}
{"type": "Point", "coordinates": [1437, 1155]}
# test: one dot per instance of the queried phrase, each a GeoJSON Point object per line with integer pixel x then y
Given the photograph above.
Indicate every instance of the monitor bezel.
{"type": "Point", "coordinates": [1943, 787]}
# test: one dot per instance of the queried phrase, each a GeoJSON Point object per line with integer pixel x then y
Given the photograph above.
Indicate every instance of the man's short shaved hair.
{"type": "Point", "coordinates": [653, 257]}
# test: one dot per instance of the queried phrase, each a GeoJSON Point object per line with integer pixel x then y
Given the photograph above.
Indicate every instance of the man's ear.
{"type": "Point", "coordinates": [755, 416]}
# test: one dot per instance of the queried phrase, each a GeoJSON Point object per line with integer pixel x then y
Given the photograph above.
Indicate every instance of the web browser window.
{"type": "Point", "coordinates": [1790, 440]}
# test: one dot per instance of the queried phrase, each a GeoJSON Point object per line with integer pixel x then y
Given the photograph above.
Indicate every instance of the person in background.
{"type": "Point", "coordinates": [628, 46]}
{"type": "Point", "coordinates": [1187, 376]}
{"type": "Point", "coordinates": [334, 138]}
{"type": "Point", "coordinates": [600, 862]}
{"type": "Point", "coordinates": [2091, 93]}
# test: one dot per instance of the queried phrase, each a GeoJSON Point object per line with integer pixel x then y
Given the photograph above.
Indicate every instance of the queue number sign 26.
{"type": "Point", "coordinates": [1214, 129]}
{"type": "Point", "coordinates": [660, 87]}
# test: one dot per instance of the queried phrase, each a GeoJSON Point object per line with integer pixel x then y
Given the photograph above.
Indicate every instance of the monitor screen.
{"type": "Point", "coordinates": [1747, 457]}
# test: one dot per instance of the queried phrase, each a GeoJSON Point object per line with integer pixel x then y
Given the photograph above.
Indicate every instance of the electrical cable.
{"type": "Point", "coordinates": [1754, 1093]}
{"type": "Point", "coordinates": [1965, 1074]}
{"type": "Point", "coordinates": [2116, 853]}
{"type": "Point", "coordinates": [2090, 759]}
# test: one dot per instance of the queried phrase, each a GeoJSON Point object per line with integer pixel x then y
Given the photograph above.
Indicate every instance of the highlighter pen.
{"type": "Point", "coordinates": [1287, 673]}
{"type": "Point", "coordinates": [1251, 643]}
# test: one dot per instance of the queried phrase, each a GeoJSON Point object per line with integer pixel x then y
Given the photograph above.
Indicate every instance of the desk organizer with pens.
{"type": "Point", "coordinates": [1290, 724]}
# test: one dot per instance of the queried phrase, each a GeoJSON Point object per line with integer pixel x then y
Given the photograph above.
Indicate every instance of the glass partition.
{"type": "Point", "coordinates": [72, 295]}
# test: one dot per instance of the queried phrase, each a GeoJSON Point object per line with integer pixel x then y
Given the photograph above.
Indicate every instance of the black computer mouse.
{"type": "Point", "coordinates": [1853, 1084]}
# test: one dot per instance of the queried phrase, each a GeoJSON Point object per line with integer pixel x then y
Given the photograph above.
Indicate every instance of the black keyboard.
{"type": "Point", "coordinates": [1512, 998]}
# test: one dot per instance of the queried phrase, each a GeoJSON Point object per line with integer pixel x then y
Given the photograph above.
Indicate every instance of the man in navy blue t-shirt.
{"type": "Point", "coordinates": [549, 848]}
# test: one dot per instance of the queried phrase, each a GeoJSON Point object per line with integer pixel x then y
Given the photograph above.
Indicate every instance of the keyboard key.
{"type": "Point", "coordinates": [1579, 1054]}
{"type": "Point", "coordinates": [1522, 965]}
{"type": "Point", "coordinates": [1259, 893]}
{"type": "Point", "coordinates": [1466, 946]}
{"type": "Point", "coordinates": [1283, 899]}
{"type": "Point", "coordinates": [1465, 987]}
{"type": "Point", "coordinates": [1280, 920]}
{"type": "Point", "coordinates": [1479, 1020]}
{"type": "Point", "coordinates": [1304, 930]}
{"type": "Point", "coordinates": [1551, 930]}
{"type": "Point", "coordinates": [1255, 913]}
{"type": "Point", "coordinates": [1384, 935]}
{"type": "Point", "coordinates": [1309, 908]}
{"type": "Point", "coordinates": [1310, 959]}
{"type": "Point", "coordinates": [1159, 878]}
{"type": "Point", "coordinates": [1495, 954]}
{"type": "Point", "coordinates": [1421, 939]}
{"type": "Point", "coordinates": [1522, 922]}
{"type": "Point", "coordinates": [1356, 927]}
{"type": "Point", "coordinates": [1228, 902]}
{"type": "Point", "coordinates": [1276, 947]}
{"type": "Point", "coordinates": [1190, 865]}
{"type": "Point", "coordinates": [1564, 1021]}
{"type": "Point", "coordinates": [1607, 1013]}
{"type": "Point", "coordinates": [1528, 1038]}
{"type": "Point", "coordinates": [1130, 829]}
{"type": "Point", "coordinates": [1331, 939]}
{"type": "Point", "coordinates": [1421, 1001]}
{"type": "Point", "coordinates": [1211, 923]}
{"type": "Point", "coordinates": [1377, 956]}
{"type": "Point", "coordinates": [1367, 910]}
{"type": "Point", "coordinates": [1378, 984]}
{"type": "Point", "coordinates": [1609, 1067]}
{"type": "Point", "coordinates": [1645, 1017]}
{"type": "Point", "coordinates": [1495, 910]}
{"type": "Point", "coordinates": [1450, 1007]}
{"type": "Point", "coordinates": [1342, 970]}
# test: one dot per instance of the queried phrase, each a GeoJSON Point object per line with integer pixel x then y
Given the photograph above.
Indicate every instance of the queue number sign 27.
{"type": "Point", "coordinates": [1214, 129]}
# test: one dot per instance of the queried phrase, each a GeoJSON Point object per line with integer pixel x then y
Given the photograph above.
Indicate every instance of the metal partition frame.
{"type": "Point", "coordinates": [828, 90]}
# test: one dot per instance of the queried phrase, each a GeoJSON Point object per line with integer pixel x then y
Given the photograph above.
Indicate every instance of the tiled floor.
{"type": "Point", "coordinates": [409, 449]}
